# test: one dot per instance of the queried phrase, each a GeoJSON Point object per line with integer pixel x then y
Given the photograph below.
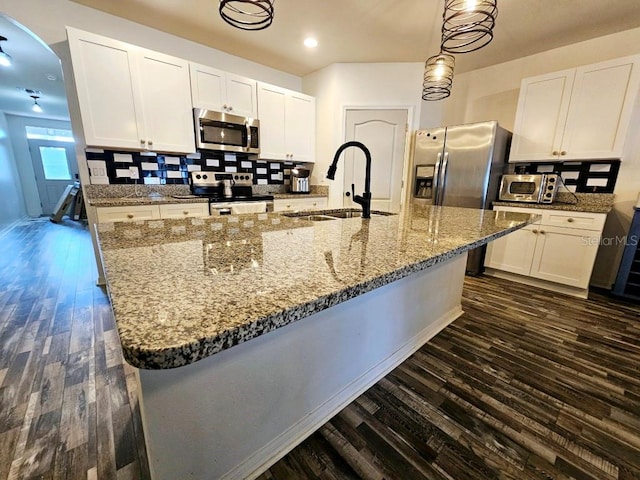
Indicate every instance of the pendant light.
{"type": "Point", "coordinates": [5, 58]}
{"type": "Point", "coordinates": [468, 25]}
{"type": "Point", "coordinates": [438, 77]}
{"type": "Point", "coordinates": [36, 106]}
{"type": "Point", "coordinates": [247, 14]}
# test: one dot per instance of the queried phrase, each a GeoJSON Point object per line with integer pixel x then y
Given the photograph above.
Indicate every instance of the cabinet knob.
{"type": "Point", "coordinates": [288, 206]}
{"type": "Point", "coordinates": [129, 215]}
{"type": "Point", "coordinates": [142, 141]}
{"type": "Point", "coordinates": [230, 108]}
{"type": "Point", "coordinates": [225, 106]}
{"type": "Point", "coordinates": [541, 232]}
{"type": "Point", "coordinates": [150, 142]}
{"type": "Point", "coordinates": [555, 153]}
{"type": "Point", "coordinates": [563, 152]}
{"type": "Point", "coordinates": [570, 220]}
{"type": "Point", "coordinates": [314, 204]}
{"type": "Point", "coordinates": [535, 231]}
{"type": "Point", "coordinates": [186, 212]}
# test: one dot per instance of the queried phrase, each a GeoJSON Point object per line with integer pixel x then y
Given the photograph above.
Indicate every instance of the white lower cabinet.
{"type": "Point", "coordinates": [151, 212]}
{"type": "Point", "coordinates": [560, 248]}
{"type": "Point", "coordinates": [299, 204]}
{"type": "Point", "coordinates": [127, 214]}
{"type": "Point", "coordinates": [182, 210]}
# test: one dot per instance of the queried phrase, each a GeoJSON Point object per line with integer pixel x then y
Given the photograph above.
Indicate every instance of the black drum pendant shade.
{"type": "Point", "coordinates": [468, 25]}
{"type": "Point", "coordinates": [247, 14]}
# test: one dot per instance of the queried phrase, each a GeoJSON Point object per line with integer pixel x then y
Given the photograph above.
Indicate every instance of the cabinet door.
{"type": "Point", "coordinates": [166, 102]}
{"type": "Point", "coordinates": [241, 96]}
{"type": "Point", "coordinates": [271, 111]}
{"type": "Point", "coordinates": [565, 255]}
{"type": "Point", "coordinates": [601, 103]}
{"type": "Point", "coordinates": [300, 127]}
{"type": "Point", "coordinates": [513, 252]}
{"type": "Point", "coordinates": [103, 74]}
{"type": "Point", "coordinates": [543, 105]}
{"type": "Point", "coordinates": [208, 87]}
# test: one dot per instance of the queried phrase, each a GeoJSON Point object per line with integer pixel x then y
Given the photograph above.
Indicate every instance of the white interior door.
{"type": "Point", "coordinates": [383, 132]}
{"type": "Point", "coordinates": [55, 167]}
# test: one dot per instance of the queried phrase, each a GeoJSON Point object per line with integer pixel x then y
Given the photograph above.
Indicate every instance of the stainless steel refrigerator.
{"type": "Point", "coordinates": [460, 166]}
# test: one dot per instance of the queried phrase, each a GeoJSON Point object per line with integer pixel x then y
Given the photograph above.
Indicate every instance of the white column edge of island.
{"type": "Point", "coordinates": [234, 414]}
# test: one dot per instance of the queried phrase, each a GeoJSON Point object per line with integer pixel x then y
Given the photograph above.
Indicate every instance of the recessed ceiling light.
{"type": "Point", "coordinates": [310, 42]}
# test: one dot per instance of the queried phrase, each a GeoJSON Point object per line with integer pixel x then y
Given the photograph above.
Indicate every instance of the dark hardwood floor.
{"type": "Point", "coordinates": [525, 385]}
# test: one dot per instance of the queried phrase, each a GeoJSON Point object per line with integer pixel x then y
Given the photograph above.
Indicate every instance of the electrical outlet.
{"type": "Point", "coordinates": [134, 173]}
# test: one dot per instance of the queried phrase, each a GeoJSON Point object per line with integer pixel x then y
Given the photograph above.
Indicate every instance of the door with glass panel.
{"type": "Point", "coordinates": [55, 167]}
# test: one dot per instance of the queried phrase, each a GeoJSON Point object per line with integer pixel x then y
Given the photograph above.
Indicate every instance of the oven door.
{"type": "Point", "coordinates": [521, 188]}
{"type": "Point", "coordinates": [225, 132]}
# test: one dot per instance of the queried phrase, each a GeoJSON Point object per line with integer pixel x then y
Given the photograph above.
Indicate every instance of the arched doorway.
{"type": "Point", "coordinates": [25, 169]}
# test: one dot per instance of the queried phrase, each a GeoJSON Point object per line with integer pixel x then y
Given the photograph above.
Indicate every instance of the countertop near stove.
{"type": "Point", "coordinates": [581, 202]}
{"type": "Point", "coordinates": [158, 199]}
{"type": "Point", "coordinates": [185, 289]}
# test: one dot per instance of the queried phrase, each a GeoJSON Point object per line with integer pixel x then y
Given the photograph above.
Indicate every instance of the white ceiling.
{"type": "Point", "coordinates": [348, 31]}
{"type": "Point", "coordinates": [33, 62]}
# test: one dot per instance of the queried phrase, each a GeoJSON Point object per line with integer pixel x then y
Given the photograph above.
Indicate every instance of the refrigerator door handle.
{"type": "Point", "coordinates": [436, 180]}
{"type": "Point", "coordinates": [443, 177]}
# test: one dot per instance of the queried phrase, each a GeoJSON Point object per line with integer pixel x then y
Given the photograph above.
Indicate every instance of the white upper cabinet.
{"type": "Point", "coordinates": [577, 114]}
{"type": "Point", "coordinates": [129, 97]}
{"type": "Point", "coordinates": [220, 91]}
{"type": "Point", "coordinates": [287, 124]}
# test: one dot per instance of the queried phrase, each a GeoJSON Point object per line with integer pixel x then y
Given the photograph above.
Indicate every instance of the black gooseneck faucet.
{"type": "Point", "coordinates": [365, 199]}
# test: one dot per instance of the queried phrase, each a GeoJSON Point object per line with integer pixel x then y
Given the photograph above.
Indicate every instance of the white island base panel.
{"type": "Point", "coordinates": [234, 414]}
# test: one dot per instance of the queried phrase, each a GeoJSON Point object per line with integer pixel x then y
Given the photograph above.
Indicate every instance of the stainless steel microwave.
{"type": "Point", "coordinates": [226, 132]}
{"type": "Point", "coordinates": [535, 188]}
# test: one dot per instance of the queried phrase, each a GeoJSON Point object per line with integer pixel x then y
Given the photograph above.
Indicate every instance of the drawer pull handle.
{"type": "Point", "coordinates": [570, 220]}
{"type": "Point", "coordinates": [129, 215]}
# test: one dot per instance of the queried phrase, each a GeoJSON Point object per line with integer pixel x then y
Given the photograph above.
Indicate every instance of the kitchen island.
{"type": "Point", "coordinates": [250, 331]}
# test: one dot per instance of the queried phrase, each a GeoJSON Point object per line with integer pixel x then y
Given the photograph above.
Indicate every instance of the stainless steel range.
{"type": "Point", "coordinates": [229, 193]}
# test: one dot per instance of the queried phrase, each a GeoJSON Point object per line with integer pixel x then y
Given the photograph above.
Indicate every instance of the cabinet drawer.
{"type": "Point", "coordinates": [582, 220]}
{"type": "Point", "coordinates": [295, 204]}
{"type": "Point", "coordinates": [182, 210]}
{"type": "Point", "coordinates": [127, 214]}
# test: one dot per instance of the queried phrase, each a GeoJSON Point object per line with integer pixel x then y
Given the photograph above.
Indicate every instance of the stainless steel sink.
{"type": "Point", "coordinates": [321, 216]}
{"type": "Point", "coordinates": [316, 218]}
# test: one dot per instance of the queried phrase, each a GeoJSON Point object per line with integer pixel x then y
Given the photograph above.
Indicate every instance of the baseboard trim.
{"type": "Point", "coordinates": [268, 455]}
{"type": "Point", "coordinates": [534, 282]}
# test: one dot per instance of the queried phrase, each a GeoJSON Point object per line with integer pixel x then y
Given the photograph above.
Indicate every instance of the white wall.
{"type": "Point", "coordinates": [12, 207]}
{"type": "Point", "coordinates": [48, 19]}
{"type": "Point", "coordinates": [343, 85]}
{"type": "Point", "coordinates": [492, 94]}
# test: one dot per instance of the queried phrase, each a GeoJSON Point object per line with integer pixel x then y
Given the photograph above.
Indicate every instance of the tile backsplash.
{"type": "Point", "coordinates": [578, 176]}
{"type": "Point", "coordinates": [108, 167]}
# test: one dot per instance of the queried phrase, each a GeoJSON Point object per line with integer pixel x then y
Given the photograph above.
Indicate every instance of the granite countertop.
{"type": "Point", "coordinates": [582, 202]}
{"type": "Point", "coordinates": [186, 198]}
{"type": "Point", "coordinates": [185, 289]}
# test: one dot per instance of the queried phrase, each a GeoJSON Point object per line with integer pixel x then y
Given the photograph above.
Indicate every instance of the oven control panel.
{"type": "Point", "coordinates": [203, 179]}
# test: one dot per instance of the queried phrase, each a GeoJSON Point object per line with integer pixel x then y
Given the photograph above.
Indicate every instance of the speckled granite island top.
{"type": "Point", "coordinates": [579, 202]}
{"type": "Point", "coordinates": [185, 289]}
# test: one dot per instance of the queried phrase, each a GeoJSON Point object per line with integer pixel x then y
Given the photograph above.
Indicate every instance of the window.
{"type": "Point", "coordinates": [54, 163]}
